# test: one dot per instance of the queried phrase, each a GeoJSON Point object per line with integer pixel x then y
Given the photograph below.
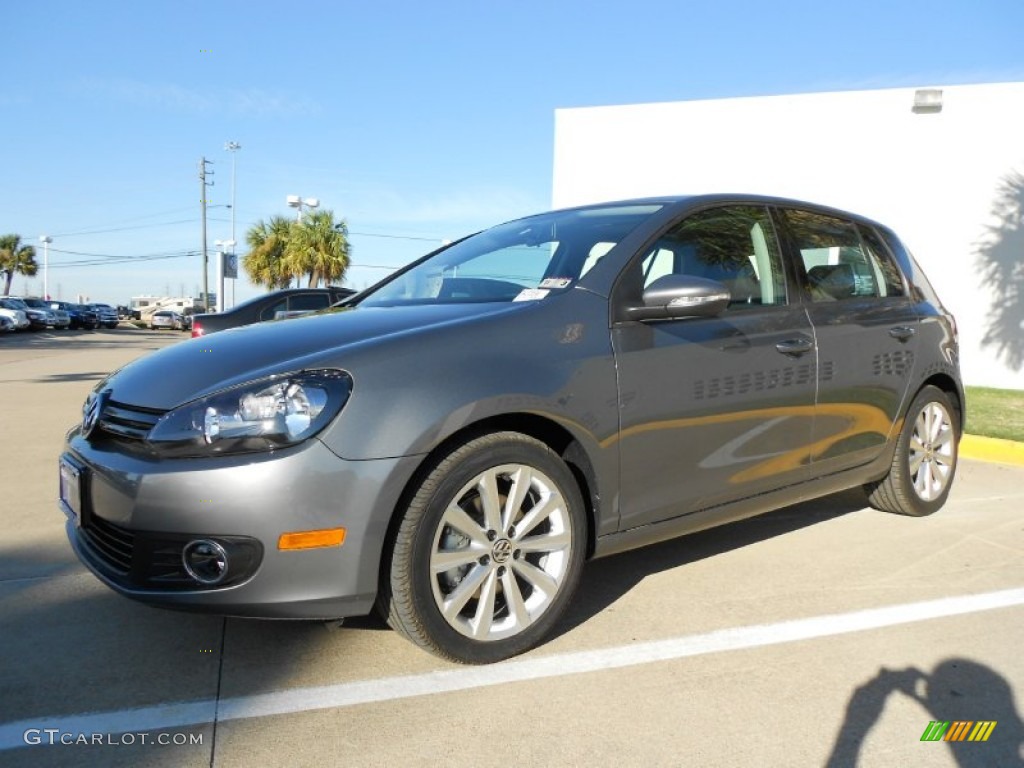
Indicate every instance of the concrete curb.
{"type": "Point", "coordinates": [992, 449]}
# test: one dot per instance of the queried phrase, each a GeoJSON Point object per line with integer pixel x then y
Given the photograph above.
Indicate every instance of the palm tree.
{"type": "Point", "coordinates": [319, 248]}
{"type": "Point", "coordinates": [16, 258]}
{"type": "Point", "coordinates": [266, 260]}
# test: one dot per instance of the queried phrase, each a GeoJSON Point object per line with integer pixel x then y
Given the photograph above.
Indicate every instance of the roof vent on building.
{"type": "Point", "coordinates": [927, 101]}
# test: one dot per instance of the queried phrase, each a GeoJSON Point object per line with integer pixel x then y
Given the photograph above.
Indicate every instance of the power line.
{"type": "Point", "coordinates": [125, 229]}
{"type": "Point", "coordinates": [119, 221]}
{"type": "Point", "coordinates": [100, 259]}
{"type": "Point", "coordinates": [111, 255]}
{"type": "Point", "coordinates": [398, 237]}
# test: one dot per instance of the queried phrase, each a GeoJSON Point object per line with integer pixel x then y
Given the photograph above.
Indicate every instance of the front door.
{"type": "Point", "coordinates": [713, 409]}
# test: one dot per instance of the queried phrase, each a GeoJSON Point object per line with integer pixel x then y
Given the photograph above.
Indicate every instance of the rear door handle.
{"type": "Point", "coordinates": [901, 332]}
{"type": "Point", "coordinates": [795, 347]}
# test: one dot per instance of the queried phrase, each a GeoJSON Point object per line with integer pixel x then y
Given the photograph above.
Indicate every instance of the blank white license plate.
{"type": "Point", "coordinates": [71, 487]}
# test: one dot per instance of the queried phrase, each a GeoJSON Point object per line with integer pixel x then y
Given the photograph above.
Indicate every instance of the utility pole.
{"type": "Point", "coordinates": [232, 147]}
{"type": "Point", "coordinates": [203, 184]}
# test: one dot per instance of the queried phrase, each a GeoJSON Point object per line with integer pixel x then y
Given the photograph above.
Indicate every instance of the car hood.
{"type": "Point", "coordinates": [195, 368]}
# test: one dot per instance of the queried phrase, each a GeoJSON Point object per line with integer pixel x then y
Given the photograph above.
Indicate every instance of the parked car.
{"type": "Point", "coordinates": [61, 319]}
{"type": "Point", "coordinates": [271, 306]}
{"type": "Point", "coordinates": [106, 315]}
{"type": "Point", "coordinates": [74, 315]}
{"type": "Point", "coordinates": [452, 445]}
{"type": "Point", "coordinates": [15, 314]}
{"type": "Point", "coordinates": [80, 315]}
{"type": "Point", "coordinates": [166, 318]}
{"type": "Point", "coordinates": [7, 325]}
{"type": "Point", "coordinates": [39, 319]}
{"type": "Point", "coordinates": [54, 318]}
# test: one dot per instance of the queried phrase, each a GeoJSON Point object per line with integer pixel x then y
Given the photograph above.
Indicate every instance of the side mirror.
{"type": "Point", "coordinates": [677, 296]}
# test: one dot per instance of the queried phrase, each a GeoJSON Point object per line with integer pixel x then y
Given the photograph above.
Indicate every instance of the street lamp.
{"type": "Point", "coordinates": [232, 147]}
{"type": "Point", "coordinates": [46, 240]}
{"type": "Point", "coordinates": [221, 246]}
{"type": "Point", "coordinates": [294, 201]}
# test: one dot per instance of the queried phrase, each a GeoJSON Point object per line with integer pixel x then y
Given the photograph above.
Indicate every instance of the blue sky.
{"type": "Point", "coordinates": [414, 121]}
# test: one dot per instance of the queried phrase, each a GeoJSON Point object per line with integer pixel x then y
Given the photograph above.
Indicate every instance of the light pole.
{"type": "Point", "coordinates": [46, 240]}
{"type": "Point", "coordinates": [221, 245]}
{"type": "Point", "coordinates": [294, 201]}
{"type": "Point", "coordinates": [232, 147]}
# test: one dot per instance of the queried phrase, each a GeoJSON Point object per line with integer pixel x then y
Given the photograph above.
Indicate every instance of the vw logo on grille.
{"type": "Point", "coordinates": [93, 408]}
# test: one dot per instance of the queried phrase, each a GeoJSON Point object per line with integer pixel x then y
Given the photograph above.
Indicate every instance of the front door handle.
{"type": "Point", "coordinates": [901, 332]}
{"type": "Point", "coordinates": [795, 347]}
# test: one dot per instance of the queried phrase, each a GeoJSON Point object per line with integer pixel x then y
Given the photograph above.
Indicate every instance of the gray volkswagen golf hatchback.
{"type": "Point", "coordinates": [454, 443]}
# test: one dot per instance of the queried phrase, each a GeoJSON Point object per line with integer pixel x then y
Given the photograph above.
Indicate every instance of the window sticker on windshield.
{"type": "Point", "coordinates": [555, 282]}
{"type": "Point", "coordinates": [531, 294]}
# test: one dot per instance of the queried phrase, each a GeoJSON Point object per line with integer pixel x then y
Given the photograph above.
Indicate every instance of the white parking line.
{"type": "Point", "coordinates": [189, 713]}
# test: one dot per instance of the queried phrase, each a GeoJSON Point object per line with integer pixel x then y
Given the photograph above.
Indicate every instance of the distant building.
{"type": "Point", "coordinates": [942, 166]}
{"type": "Point", "coordinates": [143, 306]}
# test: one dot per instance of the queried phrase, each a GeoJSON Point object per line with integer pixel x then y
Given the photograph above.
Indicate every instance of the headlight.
{"type": "Point", "coordinates": [258, 416]}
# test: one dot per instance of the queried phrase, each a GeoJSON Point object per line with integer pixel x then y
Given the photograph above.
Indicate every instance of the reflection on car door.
{"type": "Point", "coordinates": [713, 409]}
{"type": "Point", "coordinates": [866, 330]}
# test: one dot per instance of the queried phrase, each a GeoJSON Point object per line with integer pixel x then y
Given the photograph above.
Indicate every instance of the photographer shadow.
{"type": "Point", "coordinates": [957, 690]}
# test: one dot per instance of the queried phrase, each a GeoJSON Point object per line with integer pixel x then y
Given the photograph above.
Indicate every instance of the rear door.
{"type": "Point", "coordinates": [865, 327]}
{"type": "Point", "coordinates": [721, 408]}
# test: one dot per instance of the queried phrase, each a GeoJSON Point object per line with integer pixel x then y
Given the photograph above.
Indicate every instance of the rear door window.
{"type": "Point", "coordinates": [840, 259]}
{"type": "Point", "coordinates": [269, 313]}
{"type": "Point", "coordinates": [306, 302]}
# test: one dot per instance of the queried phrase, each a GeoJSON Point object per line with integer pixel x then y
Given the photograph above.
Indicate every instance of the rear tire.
{"type": "Point", "coordinates": [924, 463]}
{"type": "Point", "coordinates": [488, 551]}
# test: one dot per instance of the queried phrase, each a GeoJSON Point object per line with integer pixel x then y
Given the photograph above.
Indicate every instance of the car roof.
{"type": "Point", "coordinates": [684, 202]}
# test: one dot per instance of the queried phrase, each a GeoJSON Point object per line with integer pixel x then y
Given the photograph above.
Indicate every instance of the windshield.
{"type": "Point", "coordinates": [522, 260]}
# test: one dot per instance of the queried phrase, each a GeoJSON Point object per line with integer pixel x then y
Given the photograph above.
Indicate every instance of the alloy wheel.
{"type": "Point", "coordinates": [932, 451]}
{"type": "Point", "coordinates": [501, 552]}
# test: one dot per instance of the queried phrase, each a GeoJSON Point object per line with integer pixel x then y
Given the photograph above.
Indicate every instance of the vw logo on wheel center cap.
{"type": "Point", "coordinates": [501, 551]}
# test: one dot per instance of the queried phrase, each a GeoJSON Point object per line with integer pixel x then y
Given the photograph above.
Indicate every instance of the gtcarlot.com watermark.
{"type": "Point", "coordinates": [54, 736]}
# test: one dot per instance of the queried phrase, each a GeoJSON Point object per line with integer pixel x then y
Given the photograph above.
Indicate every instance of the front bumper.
{"type": "Point", "coordinates": [137, 513]}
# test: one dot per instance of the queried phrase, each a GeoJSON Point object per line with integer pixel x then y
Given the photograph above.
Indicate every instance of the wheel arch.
{"type": "Point", "coordinates": [953, 390]}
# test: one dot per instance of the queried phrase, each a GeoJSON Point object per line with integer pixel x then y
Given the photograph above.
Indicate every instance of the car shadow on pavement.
{"type": "Point", "coordinates": [60, 378]}
{"type": "Point", "coordinates": [958, 690]}
{"type": "Point", "coordinates": [77, 340]}
{"type": "Point", "coordinates": [606, 580]}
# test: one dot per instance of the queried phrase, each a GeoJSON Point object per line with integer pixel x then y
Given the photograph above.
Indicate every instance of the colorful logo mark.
{"type": "Point", "coordinates": [958, 730]}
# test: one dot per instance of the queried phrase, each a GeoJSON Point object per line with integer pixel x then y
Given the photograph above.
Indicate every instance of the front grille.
{"type": "Point", "coordinates": [129, 422]}
{"type": "Point", "coordinates": [111, 543]}
{"type": "Point", "coordinates": [165, 568]}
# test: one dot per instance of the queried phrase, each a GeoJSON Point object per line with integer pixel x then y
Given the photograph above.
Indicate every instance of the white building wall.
{"type": "Point", "coordinates": [937, 179]}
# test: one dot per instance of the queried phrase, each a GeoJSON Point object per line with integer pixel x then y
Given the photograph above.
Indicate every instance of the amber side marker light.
{"type": "Point", "coordinates": [326, 537]}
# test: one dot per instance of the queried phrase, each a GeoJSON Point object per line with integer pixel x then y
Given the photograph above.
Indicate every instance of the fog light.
{"type": "Point", "coordinates": [205, 561]}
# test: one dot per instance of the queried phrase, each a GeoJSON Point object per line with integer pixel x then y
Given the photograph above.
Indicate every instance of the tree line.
{"type": "Point", "coordinates": [282, 250]}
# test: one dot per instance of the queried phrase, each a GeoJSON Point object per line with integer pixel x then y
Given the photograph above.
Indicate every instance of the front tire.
{"type": "Point", "coordinates": [924, 463]}
{"type": "Point", "coordinates": [488, 551]}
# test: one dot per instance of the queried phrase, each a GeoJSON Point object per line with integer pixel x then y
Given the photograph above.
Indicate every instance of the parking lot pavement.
{"type": "Point", "coordinates": [821, 634]}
